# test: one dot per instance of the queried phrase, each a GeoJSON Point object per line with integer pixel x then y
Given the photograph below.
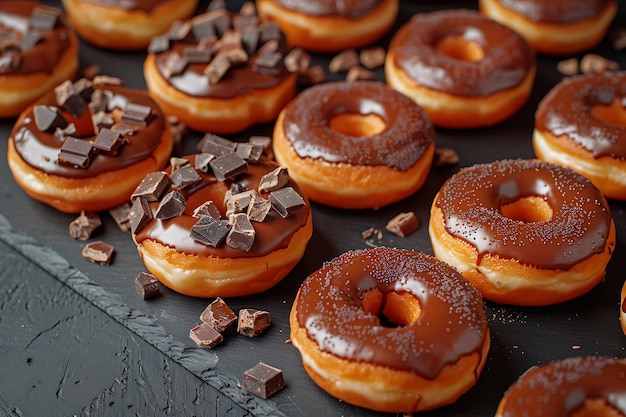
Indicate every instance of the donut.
{"type": "Point", "coordinates": [576, 386]}
{"type": "Point", "coordinates": [355, 144]}
{"type": "Point", "coordinates": [220, 73]}
{"type": "Point", "coordinates": [554, 27]}
{"type": "Point", "coordinates": [86, 145]}
{"type": "Point", "coordinates": [220, 242]}
{"type": "Point", "coordinates": [329, 26]}
{"type": "Point", "coordinates": [125, 25]}
{"type": "Point", "coordinates": [524, 232]}
{"type": "Point", "coordinates": [464, 69]}
{"type": "Point", "coordinates": [580, 124]}
{"type": "Point", "coordinates": [391, 330]}
{"type": "Point", "coordinates": [38, 52]}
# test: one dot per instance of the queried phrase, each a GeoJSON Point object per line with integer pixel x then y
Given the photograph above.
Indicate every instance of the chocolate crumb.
{"type": "Point", "coordinates": [84, 225]}
{"type": "Point", "coordinates": [147, 285]}
{"type": "Point", "coordinates": [343, 61]}
{"type": "Point", "coordinates": [263, 380]}
{"type": "Point", "coordinates": [205, 336]}
{"type": "Point", "coordinates": [403, 224]}
{"type": "Point", "coordinates": [297, 60]}
{"type": "Point", "coordinates": [252, 322]}
{"type": "Point", "coordinates": [98, 252]}
{"type": "Point", "coordinates": [568, 66]}
{"type": "Point", "coordinates": [218, 315]}
{"type": "Point", "coordinates": [367, 233]}
{"type": "Point", "coordinates": [445, 157]}
{"type": "Point", "coordinates": [592, 63]}
{"type": "Point", "coordinates": [314, 75]}
{"type": "Point", "coordinates": [357, 72]}
{"type": "Point", "coordinates": [372, 57]}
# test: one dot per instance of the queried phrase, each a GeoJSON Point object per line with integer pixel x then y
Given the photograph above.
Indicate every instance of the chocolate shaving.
{"type": "Point", "coordinates": [218, 315]}
{"type": "Point", "coordinates": [140, 215]}
{"type": "Point", "coordinates": [185, 177]}
{"type": "Point", "coordinates": [98, 252]}
{"type": "Point", "coordinates": [252, 322]}
{"type": "Point", "coordinates": [263, 380]}
{"type": "Point", "coordinates": [151, 186]}
{"type": "Point", "coordinates": [120, 215]}
{"type": "Point", "coordinates": [228, 166]}
{"type": "Point", "coordinates": [210, 231]}
{"type": "Point", "coordinates": [76, 152]}
{"type": "Point", "coordinates": [274, 180]}
{"type": "Point", "coordinates": [403, 224]}
{"type": "Point", "coordinates": [172, 205]}
{"type": "Point", "coordinates": [286, 201]}
{"type": "Point", "coordinates": [241, 234]}
{"type": "Point", "coordinates": [205, 336]}
{"type": "Point", "coordinates": [48, 118]}
{"type": "Point", "coordinates": [343, 61]}
{"type": "Point", "coordinates": [84, 225]}
{"type": "Point", "coordinates": [146, 285]}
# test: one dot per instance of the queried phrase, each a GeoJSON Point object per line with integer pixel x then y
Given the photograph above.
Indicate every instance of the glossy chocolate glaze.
{"type": "Point", "coordinates": [557, 11]}
{"type": "Point", "coordinates": [567, 111]}
{"type": "Point", "coordinates": [145, 5]}
{"type": "Point", "coordinates": [471, 202]}
{"type": "Point", "coordinates": [45, 54]}
{"type": "Point", "coordinates": [272, 234]}
{"type": "Point", "coordinates": [452, 323]}
{"type": "Point", "coordinates": [560, 388]}
{"type": "Point", "coordinates": [41, 149]}
{"type": "Point", "coordinates": [507, 56]}
{"type": "Point", "coordinates": [408, 131]}
{"type": "Point", "coordinates": [347, 8]}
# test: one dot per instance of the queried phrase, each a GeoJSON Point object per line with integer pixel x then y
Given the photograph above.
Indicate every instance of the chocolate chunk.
{"type": "Point", "coordinates": [10, 61]}
{"type": "Point", "coordinates": [239, 202]}
{"type": "Point", "coordinates": [297, 60]}
{"type": "Point", "coordinates": [185, 177]}
{"type": "Point", "coordinates": [218, 315]}
{"type": "Point", "coordinates": [266, 61]}
{"type": "Point", "coordinates": [137, 113]}
{"type": "Point", "coordinates": [203, 26]}
{"type": "Point", "coordinates": [76, 152]}
{"type": "Point", "coordinates": [228, 166]}
{"type": "Point", "coordinates": [221, 20]}
{"type": "Point", "coordinates": [121, 215]}
{"type": "Point", "coordinates": [117, 101]}
{"type": "Point", "coordinates": [265, 142]}
{"type": "Point", "coordinates": [245, 22]}
{"type": "Point", "coordinates": [236, 55]}
{"type": "Point", "coordinates": [99, 101]}
{"type": "Point", "coordinates": [568, 66]}
{"type": "Point", "coordinates": [217, 68]}
{"type": "Point", "coordinates": [208, 208]}
{"type": "Point", "coordinates": [102, 120]}
{"type": "Point", "coordinates": [203, 160]}
{"type": "Point", "coordinates": [372, 57]}
{"type": "Point", "coordinates": [274, 180]}
{"type": "Point", "coordinates": [172, 205]}
{"type": "Point", "coordinates": [593, 63]}
{"type": "Point", "coordinates": [151, 186]}
{"type": "Point", "coordinates": [158, 44]}
{"type": "Point", "coordinates": [216, 145]}
{"type": "Point", "coordinates": [312, 76]}
{"type": "Point", "coordinates": [241, 234]}
{"type": "Point", "coordinates": [252, 322]}
{"type": "Point", "coordinates": [195, 55]}
{"type": "Point", "coordinates": [84, 88]}
{"type": "Point", "coordinates": [98, 252]}
{"type": "Point", "coordinates": [258, 209]}
{"type": "Point", "coordinates": [205, 336]}
{"type": "Point", "coordinates": [343, 61]}
{"type": "Point", "coordinates": [270, 32]}
{"type": "Point", "coordinates": [48, 118]}
{"type": "Point", "coordinates": [67, 98]}
{"type": "Point", "coordinates": [180, 31]}
{"type": "Point", "coordinates": [249, 152]}
{"type": "Point", "coordinates": [108, 141]}
{"type": "Point", "coordinates": [62, 133]}
{"type": "Point", "coordinates": [209, 231]}
{"type": "Point", "coordinates": [147, 285]}
{"type": "Point", "coordinates": [43, 18]}
{"type": "Point", "coordinates": [445, 157]}
{"type": "Point", "coordinates": [83, 226]}
{"type": "Point", "coordinates": [177, 163]}
{"type": "Point", "coordinates": [250, 40]}
{"type": "Point", "coordinates": [140, 215]}
{"type": "Point", "coordinates": [403, 224]}
{"type": "Point", "coordinates": [263, 380]}
{"type": "Point", "coordinates": [175, 64]}
{"type": "Point", "coordinates": [125, 129]}
{"type": "Point", "coordinates": [359, 73]}
{"type": "Point", "coordinates": [286, 201]}
{"type": "Point", "coordinates": [29, 40]}
{"type": "Point", "coordinates": [248, 8]}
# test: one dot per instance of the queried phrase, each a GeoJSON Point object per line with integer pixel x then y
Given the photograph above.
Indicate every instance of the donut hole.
{"type": "Point", "coordinates": [357, 124]}
{"type": "Point", "coordinates": [614, 113]}
{"type": "Point", "coordinates": [392, 309]}
{"type": "Point", "coordinates": [458, 47]}
{"type": "Point", "coordinates": [527, 209]}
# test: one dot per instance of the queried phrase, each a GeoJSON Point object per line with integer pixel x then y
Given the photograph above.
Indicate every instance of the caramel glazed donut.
{"type": "Point", "coordinates": [38, 52]}
{"type": "Point", "coordinates": [524, 232]}
{"type": "Point", "coordinates": [125, 25]}
{"type": "Point", "coordinates": [355, 144]}
{"type": "Point", "coordinates": [580, 124]}
{"type": "Point", "coordinates": [465, 70]}
{"type": "Point", "coordinates": [390, 330]}
{"type": "Point", "coordinates": [219, 226]}
{"type": "Point", "coordinates": [330, 26]}
{"type": "Point", "coordinates": [554, 27]}
{"type": "Point", "coordinates": [220, 73]}
{"type": "Point", "coordinates": [578, 386]}
{"type": "Point", "coordinates": [86, 146]}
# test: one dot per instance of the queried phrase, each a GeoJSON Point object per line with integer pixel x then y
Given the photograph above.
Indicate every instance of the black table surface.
{"type": "Point", "coordinates": [76, 339]}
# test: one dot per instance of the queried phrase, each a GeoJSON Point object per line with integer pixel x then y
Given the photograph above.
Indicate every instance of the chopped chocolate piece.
{"type": "Point", "coordinates": [140, 215]}
{"type": "Point", "coordinates": [252, 322]}
{"type": "Point", "coordinates": [231, 38]}
{"type": "Point", "coordinates": [48, 118]}
{"type": "Point", "coordinates": [266, 60]}
{"type": "Point", "coordinates": [228, 166]}
{"type": "Point", "coordinates": [568, 66]}
{"type": "Point", "coordinates": [106, 80]}
{"type": "Point", "coordinates": [99, 101]}
{"type": "Point", "coordinates": [591, 63]}
{"type": "Point", "coordinates": [203, 160]}
{"type": "Point", "coordinates": [29, 40]}
{"type": "Point", "coordinates": [121, 215]}
{"type": "Point", "coordinates": [68, 99]}
{"type": "Point", "coordinates": [216, 5]}
{"type": "Point", "coordinates": [185, 177]}
{"type": "Point", "coordinates": [263, 380]}
{"type": "Point", "coordinates": [258, 208]}
{"type": "Point", "coordinates": [83, 226]}
{"type": "Point", "coordinates": [84, 88]}
{"type": "Point", "coordinates": [76, 152]}
{"type": "Point", "coordinates": [216, 145]}
{"type": "Point", "coordinates": [98, 252]}
{"type": "Point", "coordinates": [178, 163]}
{"type": "Point", "coordinates": [403, 224]}
{"type": "Point", "coordinates": [69, 130]}
{"type": "Point", "coordinates": [195, 55]}
{"type": "Point", "coordinates": [249, 152]}
{"type": "Point", "coordinates": [218, 315]}
{"type": "Point", "coordinates": [312, 76]}
{"type": "Point", "coordinates": [445, 156]}
{"type": "Point", "coordinates": [206, 336]}
{"type": "Point", "coordinates": [367, 233]}
{"type": "Point", "coordinates": [297, 60]}
{"type": "Point", "coordinates": [250, 40]}
{"type": "Point", "coordinates": [208, 208]}
{"type": "Point", "coordinates": [202, 26]}
{"type": "Point", "coordinates": [274, 180]}
{"type": "Point", "coordinates": [245, 22]}
{"type": "Point", "coordinates": [125, 129]}
{"type": "Point", "coordinates": [248, 8]}
{"type": "Point", "coordinates": [286, 201]}
{"type": "Point", "coordinates": [372, 57]}
{"type": "Point", "coordinates": [216, 69]}
{"type": "Point", "coordinates": [241, 234]}
{"type": "Point", "coordinates": [102, 120]}
{"type": "Point", "coordinates": [158, 44]}
{"type": "Point", "coordinates": [172, 205]}
{"type": "Point", "coordinates": [239, 202]}
{"type": "Point", "coordinates": [180, 31]}
{"type": "Point", "coordinates": [10, 61]}
{"type": "Point", "coordinates": [43, 18]}
{"type": "Point", "coordinates": [220, 19]}
{"type": "Point", "coordinates": [270, 32]}
{"type": "Point", "coordinates": [146, 285]}
{"type": "Point", "coordinates": [265, 142]}
{"type": "Point", "coordinates": [137, 114]}
{"type": "Point", "coordinates": [209, 231]}
{"type": "Point", "coordinates": [151, 186]}
{"type": "Point", "coordinates": [108, 141]}
{"type": "Point", "coordinates": [236, 55]}
{"type": "Point", "coordinates": [359, 73]}
{"type": "Point", "coordinates": [174, 65]}
{"type": "Point", "coordinates": [235, 188]}
{"type": "Point", "coordinates": [343, 61]}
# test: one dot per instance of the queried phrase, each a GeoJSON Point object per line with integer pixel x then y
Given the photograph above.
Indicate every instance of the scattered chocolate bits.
{"type": "Point", "coordinates": [445, 157]}
{"type": "Point", "coordinates": [98, 252]}
{"type": "Point", "coordinates": [312, 76]}
{"type": "Point", "coordinates": [263, 380]}
{"type": "Point", "coordinates": [343, 61]}
{"type": "Point", "coordinates": [297, 60]}
{"type": "Point", "coordinates": [286, 201]}
{"type": "Point", "coordinates": [84, 225]}
{"type": "Point", "coordinates": [591, 63]}
{"type": "Point", "coordinates": [403, 224]}
{"type": "Point", "coordinates": [152, 186]}
{"type": "Point", "coordinates": [172, 205]}
{"type": "Point", "coordinates": [120, 215]}
{"type": "Point", "coordinates": [218, 315]}
{"type": "Point", "coordinates": [568, 66]}
{"type": "Point", "coordinates": [205, 336]}
{"type": "Point", "coordinates": [357, 73]}
{"type": "Point", "coordinates": [372, 57]}
{"type": "Point", "coordinates": [252, 322]}
{"type": "Point", "coordinates": [147, 285]}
